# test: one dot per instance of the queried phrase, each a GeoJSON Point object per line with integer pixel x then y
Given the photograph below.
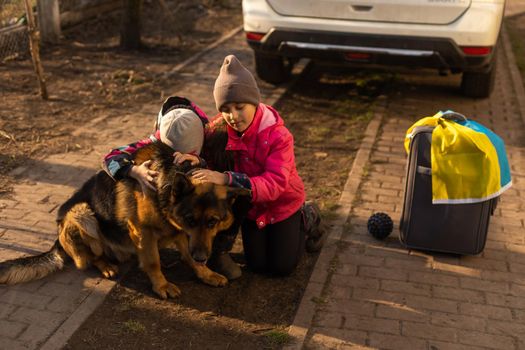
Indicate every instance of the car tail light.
{"type": "Point", "coordinates": [476, 50]}
{"type": "Point", "coordinates": [357, 56]}
{"type": "Point", "coordinates": [254, 36]}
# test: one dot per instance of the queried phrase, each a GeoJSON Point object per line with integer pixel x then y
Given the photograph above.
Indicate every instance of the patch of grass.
{"type": "Point", "coordinates": [318, 134]}
{"type": "Point", "coordinates": [329, 212]}
{"type": "Point", "coordinates": [352, 135]}
{"type": "Point", "coordinates": [278, 337]}
{"type": "Point", "coordinates": [328, 192]}
{"type": "Point", "coordinates": [367, 116]}
{"type": "Point", "coordinates": [366, 171]}
{"type": "Point", "coordinates": [334, 264]}
{"type": "Point", "coordinates": [319, 300]}
{"type": "Point", "coordinates": [350, 107]}
{"type": "Point", "coordinates": [134, 326]}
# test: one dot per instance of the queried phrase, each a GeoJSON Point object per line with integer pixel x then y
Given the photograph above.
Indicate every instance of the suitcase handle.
{"type": "Point", "coordinates": [424, 170]}
{"type": "Point", "coordinates": [450, 115]}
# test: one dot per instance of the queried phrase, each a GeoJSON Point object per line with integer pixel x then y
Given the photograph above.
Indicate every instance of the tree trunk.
{"type": "Point", "coordinates": [131, 25]}
{"type": "Point", "coordinates": [49, 21]}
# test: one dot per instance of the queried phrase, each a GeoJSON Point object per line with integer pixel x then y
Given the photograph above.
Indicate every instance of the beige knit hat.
{"type": "Point", "coordinates": [235, 83]}
{"type": "Point", "coordinates": [182, 130]}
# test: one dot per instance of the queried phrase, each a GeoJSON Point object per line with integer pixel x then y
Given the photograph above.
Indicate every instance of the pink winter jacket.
{"type": "Point", "coordinates": [265, 153]}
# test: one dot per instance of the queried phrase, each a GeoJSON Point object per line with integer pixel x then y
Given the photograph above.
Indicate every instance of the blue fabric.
{"type": "Point", "coordinates": [498, 144]}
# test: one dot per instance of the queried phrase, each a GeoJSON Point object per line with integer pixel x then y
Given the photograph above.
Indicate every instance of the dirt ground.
{"type": "Point", "coordinates": [88, 75]}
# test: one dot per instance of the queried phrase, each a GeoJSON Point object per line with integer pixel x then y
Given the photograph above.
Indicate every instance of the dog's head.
{"type": "Point", "coordinates": [201, 210]}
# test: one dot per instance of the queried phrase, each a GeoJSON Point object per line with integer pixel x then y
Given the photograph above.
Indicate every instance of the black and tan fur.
{"type": "Point", "coordinates": [107, 220]}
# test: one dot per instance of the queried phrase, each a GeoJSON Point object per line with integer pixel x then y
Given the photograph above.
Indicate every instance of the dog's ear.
{"type": "Point", "coordinates": [235, 192]}
{"type": "Point", "coordinates": [181, 186]}
{"type": "Point", "coordinates": [185, 166]}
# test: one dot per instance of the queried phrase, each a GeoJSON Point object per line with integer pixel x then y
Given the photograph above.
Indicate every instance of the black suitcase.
{"type": "Point", "coordinates": [448, 228]}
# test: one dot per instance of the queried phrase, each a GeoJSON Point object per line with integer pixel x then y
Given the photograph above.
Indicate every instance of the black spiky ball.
{"type": "Point", "coordinates": [380, 225]}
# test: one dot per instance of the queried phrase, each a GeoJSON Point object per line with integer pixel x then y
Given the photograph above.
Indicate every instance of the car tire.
{"type": "Point", "coordinates": [272, 68]}
{"type": "Point", "coordinates": [479, 84]}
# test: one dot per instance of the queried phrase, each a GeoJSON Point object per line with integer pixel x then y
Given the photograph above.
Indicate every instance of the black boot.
{"type": "Point", "coordinates": [312, 227]}
{"type": "Point", "coordinates": [222, 263]}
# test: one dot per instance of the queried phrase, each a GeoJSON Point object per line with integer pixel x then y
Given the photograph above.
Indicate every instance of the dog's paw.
{"type": "Point", "coordinates": [108, 270]}
{"type": "Point", "coordinates": [215, 279]}
{"type": "Point", "coordinates": [167, 290]}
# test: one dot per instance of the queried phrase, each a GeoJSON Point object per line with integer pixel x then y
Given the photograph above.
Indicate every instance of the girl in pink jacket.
{"type": "Point", "coordinates": [264, 162]}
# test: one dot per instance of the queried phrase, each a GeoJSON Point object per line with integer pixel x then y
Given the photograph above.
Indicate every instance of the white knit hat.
{"type": "Point", "coordinates": [182, 130]}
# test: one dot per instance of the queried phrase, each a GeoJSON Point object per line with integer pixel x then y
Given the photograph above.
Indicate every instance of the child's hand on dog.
{"type": "Point", "coordinates": [205, 175]}
{"type": "Point", "coordinates": [144, 175]}
{"type": "Point", "coordinates": [179, 158]}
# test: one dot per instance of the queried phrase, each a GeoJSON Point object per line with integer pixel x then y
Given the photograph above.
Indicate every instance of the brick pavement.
{"type": "Point", "coordinates": [44, 314]}
{"type": "Point", "coordinates": [365, 293]}
{"type": "Point", "coordinates": [368, 294]}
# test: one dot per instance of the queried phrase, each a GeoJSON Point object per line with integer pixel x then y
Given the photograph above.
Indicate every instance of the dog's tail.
{"type": "Point", "coordinates": [33, 267]}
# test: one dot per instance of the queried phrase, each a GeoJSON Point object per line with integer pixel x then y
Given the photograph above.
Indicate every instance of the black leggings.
{"type": "Point", "coordinates": [276, 248]}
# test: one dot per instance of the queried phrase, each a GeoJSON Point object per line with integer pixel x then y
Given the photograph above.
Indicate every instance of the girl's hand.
{"type": "Point", "coordinates": [206, 175]}
{"type": "Point", "coordinates": [144, 175]}
{"type": "Point", "coordinates": [181, 157]}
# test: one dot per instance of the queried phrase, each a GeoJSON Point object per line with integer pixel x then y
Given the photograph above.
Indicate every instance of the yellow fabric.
{"type": "Point", "coordinates": [464, 162]}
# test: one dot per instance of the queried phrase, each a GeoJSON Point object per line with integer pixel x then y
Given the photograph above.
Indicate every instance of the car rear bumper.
{"type": "Point", "coordinates": [428, 52]}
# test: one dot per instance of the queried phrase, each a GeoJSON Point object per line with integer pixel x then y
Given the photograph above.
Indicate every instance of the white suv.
{"type": "Point", "coordinates": [459, 36]}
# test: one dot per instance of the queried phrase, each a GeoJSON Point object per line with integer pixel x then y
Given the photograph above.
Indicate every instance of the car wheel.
{"type": "Point", "coordinates": [271, 68]}
{"type": "Point", "coordinates": [479, 84]}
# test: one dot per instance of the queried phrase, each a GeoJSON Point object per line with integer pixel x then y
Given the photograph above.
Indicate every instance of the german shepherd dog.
{"type": "Point", "coordinates": [109, 220]}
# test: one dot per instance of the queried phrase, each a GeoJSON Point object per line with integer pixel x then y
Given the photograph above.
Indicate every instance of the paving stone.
{"type": "Point", "coordinates": [345, 305]}
{"type": "Point", "coordinates": [458, 321]}
{"type": "Point", "coordinates": [382, 273]}
{"type": "Point", "coordinates": [485, 311]}
{"type": "Point", "coordinates": [345, 281]}
{"type": "Point", "coordinates": [26, 299]}
{"type": "Point", "coordinates": [458, 294]}
{"type": "Point", "coordinates": [29, 287]}
{"type": "Point", "coordinates": [34, 335]}
{"type": "Point", "coordinates": [333, 338]}
{"type": "Point", "coordinates": [505, 300]}
{"type": "Point", "coordinates": [407, 287]}
{"type": "Point", "coordinates": [401, 312]}
{"type": "Point", "coordinates": [485, 263]}
{"type": "Point", "coordinates": [67, 276]}
{"type": "Point", "coordinates": [11, 329]}
{"type": "Point", "coordinates": [7, 309]}
{"type": "Point", "coordinates": [13, 344]}
{"type": "Point", "coordinates": [73, 291]}
{"type": "Point", "coordinates": [486, 340]}
{"type": "Point", "coordinates": [484, 286]}
{"type": "Point", "coordinates": [433, 278]}
{"type": "Point", "coordinates": [439, 345]}
{"type": "Point", "coordinates": [428, 331]}
{"type": "Point", "coordinates": [41, 317]}
{"type": "Point", "coordinates": [388, 341]}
